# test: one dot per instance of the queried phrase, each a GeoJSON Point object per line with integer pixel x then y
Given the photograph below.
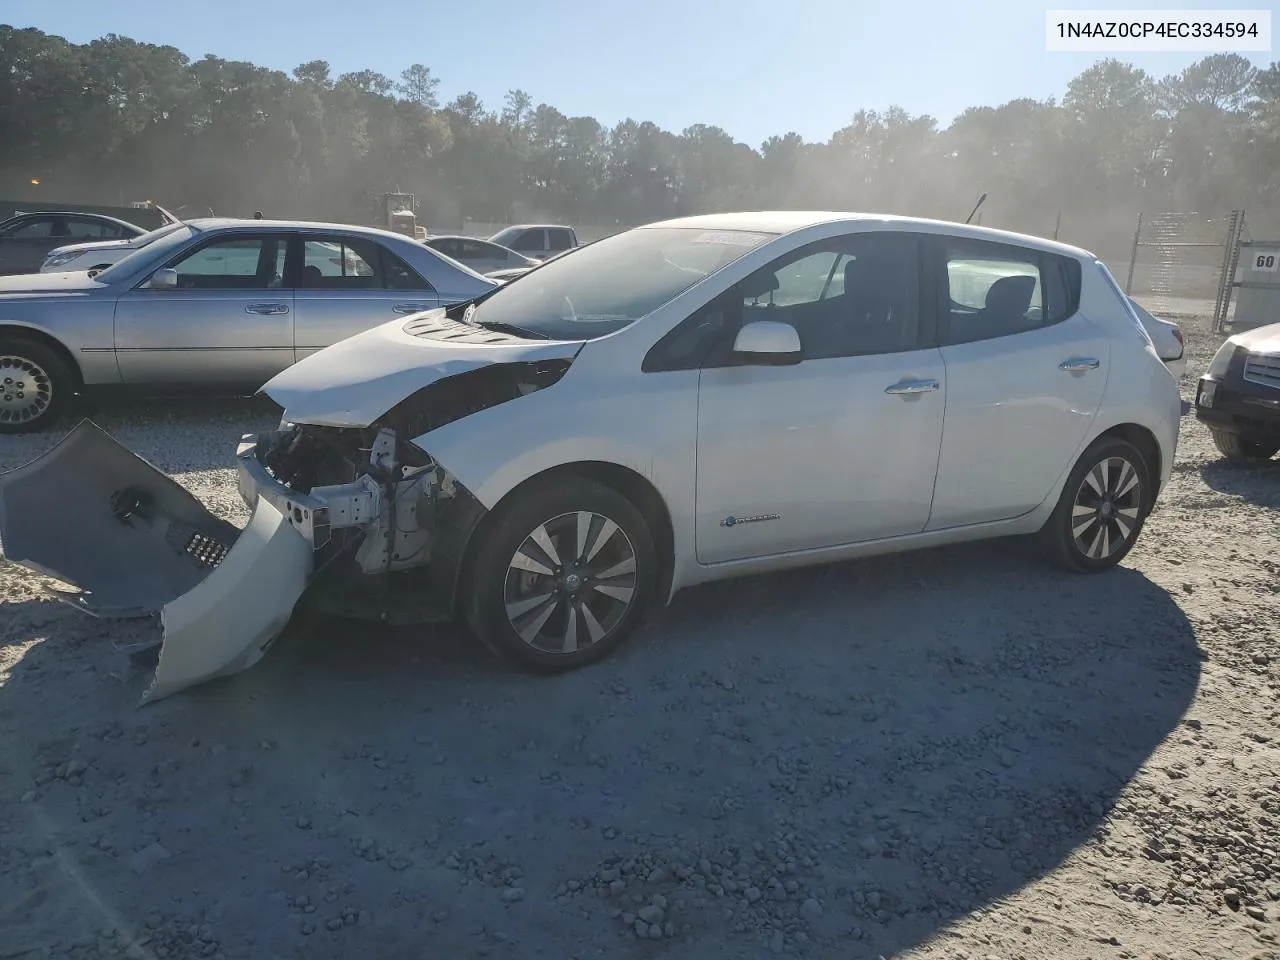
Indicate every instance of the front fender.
{"type": "Point", "coordinates": [647, 424]}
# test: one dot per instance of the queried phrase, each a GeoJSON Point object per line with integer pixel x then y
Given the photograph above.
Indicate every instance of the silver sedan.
{"type": "Point", "coordinates": [219, 304]}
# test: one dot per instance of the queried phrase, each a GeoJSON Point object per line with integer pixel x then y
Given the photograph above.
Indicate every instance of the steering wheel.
{"type": "Point", "coordinates": [573, 316]}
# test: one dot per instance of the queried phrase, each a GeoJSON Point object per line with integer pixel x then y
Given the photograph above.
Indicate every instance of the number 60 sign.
{"type": "Point", "coordinates": [1264, 261]}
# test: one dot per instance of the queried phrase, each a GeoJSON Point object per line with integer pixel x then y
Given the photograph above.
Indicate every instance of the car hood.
{"type": "Point", "coordinates": [357, 380]}
{"type": "Point", "coordinates": [49, 284]}
{"type": "Point", "coordinates": [1260, 339]}
{"type": "Point", "coordinates": [91, 245]}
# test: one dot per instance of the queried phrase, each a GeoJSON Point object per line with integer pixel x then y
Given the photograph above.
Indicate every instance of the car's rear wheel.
{"type": "Point", "coordinates": [35, 385]}
{"type": "Point", "coordinates": [1239, 450]}
{"type": "Point", "coordinates": [1102, 508]}
{"type": "Point", "coordinates": [562, 575]}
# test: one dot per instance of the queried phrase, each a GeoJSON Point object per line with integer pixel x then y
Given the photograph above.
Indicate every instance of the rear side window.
{"type": "Point", "coordinates": [559, 240]}
{"type": "Point", "coordinates": [995, 290]}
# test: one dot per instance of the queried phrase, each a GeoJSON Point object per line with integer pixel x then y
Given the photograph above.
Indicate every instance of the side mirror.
{"type": "Point", "coordinates": [164, 280]}
{"type": "Point", "coordinates": [768, 343]}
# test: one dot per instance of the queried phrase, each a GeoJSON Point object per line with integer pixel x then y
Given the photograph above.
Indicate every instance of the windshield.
{"type": "Point", "coordinates": [155, 250]}
{"type": "Point", "coordinates": [613, 282]}
{"type": "Point", "coordinates": [504, 237]}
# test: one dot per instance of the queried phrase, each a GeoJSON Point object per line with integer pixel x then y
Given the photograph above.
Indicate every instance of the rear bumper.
{"type": "Point", "coordinates": [1237, 406]}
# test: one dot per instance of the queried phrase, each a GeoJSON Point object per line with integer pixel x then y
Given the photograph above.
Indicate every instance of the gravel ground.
{"type": "Point", "coordinates": [953, 754]}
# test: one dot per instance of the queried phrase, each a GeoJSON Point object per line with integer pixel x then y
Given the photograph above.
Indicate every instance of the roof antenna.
{"type": "Point", "coordinates": [981, 200]}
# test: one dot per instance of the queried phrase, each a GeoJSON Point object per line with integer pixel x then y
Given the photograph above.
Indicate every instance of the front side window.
{"type": "Point", "coordinates": [449, 247]}
{"type": "Point", "coordinates": [997, 291]}
{"type": "Point", "coordinates": [849, 296]}
{"type": "Point", "coordinates": [612, 283]}
{"type": "Point", "coordinates": [531, 241]}
{"type": "Point", "coordinates": [34, 229]}
{"type": "Point", "coordinates": [237, 263]}
{"type": "Point", "coordinates": [479, 250]}
{"type": "Point", "coordinates": [93, 229]}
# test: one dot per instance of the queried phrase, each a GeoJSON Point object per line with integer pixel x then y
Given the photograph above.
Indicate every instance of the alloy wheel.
{"type": "Point", "coordinates": [26, 390]}
{"type": "Point", "coordinates": [571, 582]}
{"type": "Point", "coordinates": [1105, 514]}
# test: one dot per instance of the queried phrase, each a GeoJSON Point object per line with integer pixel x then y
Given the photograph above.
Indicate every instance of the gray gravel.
{"type": "Point", "coordinates": [956, 754]}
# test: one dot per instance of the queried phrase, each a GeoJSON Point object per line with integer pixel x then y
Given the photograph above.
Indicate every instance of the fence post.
{"type": "Point", "coordinates": [1056, 224]}
{"type": "Point", "coordinates": [1230, 258]}
{"type": "Point", "coordinates": [1133, 255]}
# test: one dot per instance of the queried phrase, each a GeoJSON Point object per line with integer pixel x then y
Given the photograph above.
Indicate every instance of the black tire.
{"type": "Point", "coordinates": [1239, 450]}
{"type": "Point", "coordinates": [1077, 543]}
{"type": "Point", "coordinates": [35, 385]}
{"type": "Point", "coordinates": [494, 586]}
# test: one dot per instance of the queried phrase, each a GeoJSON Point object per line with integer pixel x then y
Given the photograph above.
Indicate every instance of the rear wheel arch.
{"type": "Point", "coordinates": [632, 485]}
{"type": "Point", "coordinates": [1147, 445]}
{"type": "Point", "coordinates": [10, 331]}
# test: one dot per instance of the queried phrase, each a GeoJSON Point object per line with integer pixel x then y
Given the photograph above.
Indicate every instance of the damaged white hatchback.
{"type": "Point", "coordinates": [682, 402]}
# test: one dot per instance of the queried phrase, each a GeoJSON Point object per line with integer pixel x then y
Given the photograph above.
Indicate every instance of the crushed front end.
{"type": "Point", "coordinates": [351, 519]}
{"type": "Point", "coordinates": [340, 509]}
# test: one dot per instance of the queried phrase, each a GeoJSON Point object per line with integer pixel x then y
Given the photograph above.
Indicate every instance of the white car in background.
{"type": "Point", "coordinates": [97, 256]}
{"type": "Point", "coordinates": [1166, 337]}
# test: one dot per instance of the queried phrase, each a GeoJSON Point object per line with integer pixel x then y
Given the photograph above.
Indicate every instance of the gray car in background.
{"type": "Point", "coordinates": [219, 304]}
{"type": "Point", "coordinates": [482, 256]}
{"type": "Point", "coordinates": [27, 238]}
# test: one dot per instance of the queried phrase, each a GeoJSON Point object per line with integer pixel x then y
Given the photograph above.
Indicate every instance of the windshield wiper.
{"type": "Point", "coordinates": [499, 327]}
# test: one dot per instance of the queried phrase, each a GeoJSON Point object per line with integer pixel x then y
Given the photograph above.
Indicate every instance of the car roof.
{"type": "Point", "coordinates": [534, 226]}
{"type": "Point", "coordinates": [74, 213]}
{"type": "Point", "coordinates": [790, 221]}
{"type": "Point", "coordinates": [241, 223]}
{"type": "Point", "coordinates": [458, 236]}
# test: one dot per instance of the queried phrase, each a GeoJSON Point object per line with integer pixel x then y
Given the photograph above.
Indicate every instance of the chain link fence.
{"type": "Point", "coordinates": [1180, 264]}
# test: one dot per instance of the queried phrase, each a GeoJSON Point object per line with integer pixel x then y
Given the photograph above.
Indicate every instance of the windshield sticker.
{"type": "Point", "coordinates": [734, 238]}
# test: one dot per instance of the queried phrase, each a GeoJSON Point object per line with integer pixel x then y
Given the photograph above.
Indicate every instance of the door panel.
{"type": "Point", "coordinates": [1015, 415]}
{"type": "Point", "coordinates": [841, 447]}
{"type": "Point", "coordinates": [347, 285]}
{"type": "Point", "coordinates": [819, 447]}
{"type": "Point", "coordinates": [229, 322]}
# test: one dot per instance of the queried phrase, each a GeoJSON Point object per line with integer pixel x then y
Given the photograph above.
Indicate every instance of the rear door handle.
{"type": "Point", "coordinates": [410, 307]}
{"type": "Point", "coordinates": [267, 309]}
{"type": "Point", "coordinates": [1080, 364]}
{"type": "Point", "coordinates": [907, 388]}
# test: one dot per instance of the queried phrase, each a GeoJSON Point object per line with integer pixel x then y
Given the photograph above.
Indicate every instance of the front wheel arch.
{"type": "Point", "coordinates": [18, 331]}
{"type": "Point", "coordinates": [629, 483]}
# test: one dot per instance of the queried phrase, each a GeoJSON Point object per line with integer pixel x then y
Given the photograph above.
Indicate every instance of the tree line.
{"type": "Point", "coordinates": [115, 119]}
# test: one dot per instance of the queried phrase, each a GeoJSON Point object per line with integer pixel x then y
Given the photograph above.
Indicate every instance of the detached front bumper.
{"type": "Point", "coordinates": [94, 515]}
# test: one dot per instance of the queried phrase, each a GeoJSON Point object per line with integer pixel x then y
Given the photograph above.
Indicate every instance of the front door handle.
{"type": "Point", "coordinates": [267, 309]}
{"type": "Point", "coordinates": [909, 388]}
{"type": "Point", "coordinates": [410, 307]}
{"type": "Point", "coordinates": [1080, 364]}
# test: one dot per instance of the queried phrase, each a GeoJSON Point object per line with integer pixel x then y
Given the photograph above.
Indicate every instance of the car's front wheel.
{"type": "Point", "coordinates": [1102, 508]}
{"type": "Point", "coordinates": [1239, 450]}
{"type": "Point", "coordinates": [564, 572]}
{"type": "Point", "coordinates": [35, 385]}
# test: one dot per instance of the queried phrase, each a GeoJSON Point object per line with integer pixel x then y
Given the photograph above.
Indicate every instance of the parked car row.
{"type": "Point", "coordinates": [213, 304]}
{"type": "Point", "coordinates": [325, 282]}
{"type": "Point", "coordinates": [687, 401]}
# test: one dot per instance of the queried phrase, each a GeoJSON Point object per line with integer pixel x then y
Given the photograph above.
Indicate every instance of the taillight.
{"type": "Point", "coordinates": [1177, 335]}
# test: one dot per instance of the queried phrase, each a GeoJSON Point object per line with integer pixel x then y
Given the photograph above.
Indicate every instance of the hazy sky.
{"type": "Point", "coordinates": [753, 67]}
